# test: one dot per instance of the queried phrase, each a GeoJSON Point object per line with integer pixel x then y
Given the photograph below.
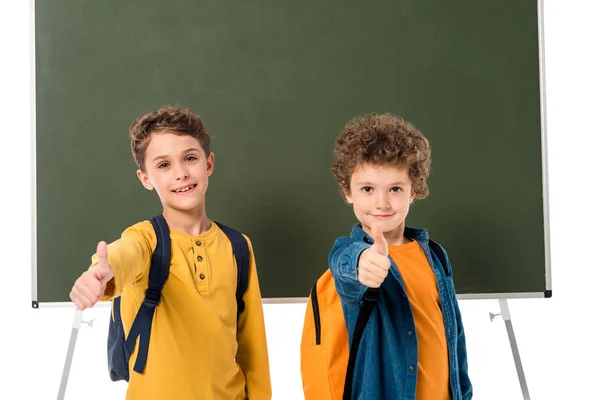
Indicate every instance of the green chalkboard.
{"type": "Point", "coordinates": [274, 82]}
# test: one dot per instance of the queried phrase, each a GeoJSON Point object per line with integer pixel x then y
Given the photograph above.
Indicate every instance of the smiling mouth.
{"type": "Point", "coordinates": [185, 189]}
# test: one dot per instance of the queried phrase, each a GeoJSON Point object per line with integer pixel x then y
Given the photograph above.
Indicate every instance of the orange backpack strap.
{"type": "Point", "coordinates": [369, 301]}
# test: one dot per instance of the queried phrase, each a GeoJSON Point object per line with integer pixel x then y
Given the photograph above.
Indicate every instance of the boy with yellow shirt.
{"type": "Point", "coordinates": [199, 347]}
{"type": "Point", "coordinates": [413, 346]}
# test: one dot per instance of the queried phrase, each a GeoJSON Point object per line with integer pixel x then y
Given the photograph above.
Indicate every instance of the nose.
{"type": "Point", "coordinates": [181, 172]}
{"type": "Point", "coordinates": [381, 201]}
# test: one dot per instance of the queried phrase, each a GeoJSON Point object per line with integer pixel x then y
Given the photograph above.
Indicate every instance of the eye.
{"type": "Point", "coordinates": [396, 189]}
{"type": "Point", "coordinates": [163, 165]}
{"type": "Point", "coordinates": [367, 189]}
{"type": "Point", "coordinates": [191, 158]}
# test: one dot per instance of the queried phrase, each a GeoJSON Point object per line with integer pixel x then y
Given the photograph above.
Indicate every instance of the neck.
{"type": "Point", "coordinates": [396, 236]}
{"type": "Point", "coordinates": [193, 222]}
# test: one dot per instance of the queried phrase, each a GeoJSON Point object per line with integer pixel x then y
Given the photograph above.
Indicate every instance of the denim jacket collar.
{"type": "Point", "coordinates": [420, 235]}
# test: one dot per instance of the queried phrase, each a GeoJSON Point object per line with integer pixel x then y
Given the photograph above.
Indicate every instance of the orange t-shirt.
{"type": "Point", "coordinates": [433, 374]}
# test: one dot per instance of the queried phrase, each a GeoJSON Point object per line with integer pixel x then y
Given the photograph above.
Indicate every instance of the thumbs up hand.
{"type": "Point", "coordinates": [103, 271]}
{"type": "Point", "coordinates": [90, 286]}
{"type": "Point", "coordinates": [380, 244]}
{"type": "Point", "coordinates": [374, 263]}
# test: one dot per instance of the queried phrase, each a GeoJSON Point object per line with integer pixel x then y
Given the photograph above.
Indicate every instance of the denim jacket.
{"type": "Point", "coordinates": [386, 364]}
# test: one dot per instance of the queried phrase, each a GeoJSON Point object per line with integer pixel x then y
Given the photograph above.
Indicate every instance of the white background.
{"type": "Point", "coordinates": [558, 338]}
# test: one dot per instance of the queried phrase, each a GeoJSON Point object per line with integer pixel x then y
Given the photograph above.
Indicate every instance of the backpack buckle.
{"type": "Point", "coordinates": [152, 298]}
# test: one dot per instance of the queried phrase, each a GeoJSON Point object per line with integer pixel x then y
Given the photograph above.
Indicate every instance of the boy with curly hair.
{"type": "Point", "coordinates": [413, 346]}
{"type": "Point", "coordinates": [199, 348]}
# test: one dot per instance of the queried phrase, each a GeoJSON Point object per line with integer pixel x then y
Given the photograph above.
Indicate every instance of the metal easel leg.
{"type": "Point", "coordinates": [67, 368]}
{"type": "Point", "coordinates": [513, 345]}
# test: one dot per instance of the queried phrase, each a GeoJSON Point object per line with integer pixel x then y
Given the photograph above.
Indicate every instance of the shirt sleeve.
{"type": "Point", "coordinates": [252, 354]}
{"type": "Point", "coordinates": [129, 258]}
{"type": "Point", "coordinates": [463, 369]}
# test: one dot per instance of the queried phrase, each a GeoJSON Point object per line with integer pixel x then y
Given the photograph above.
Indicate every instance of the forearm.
{"type": "Point", "coordinates": [129, 258]}
{"type": "Point", "coordinates": [343, 263]}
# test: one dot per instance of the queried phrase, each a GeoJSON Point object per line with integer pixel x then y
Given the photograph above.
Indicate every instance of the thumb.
{"type": "Point", "coordinates": [380, 243]}
{"type": "Point", "coordinates": [103, 271]}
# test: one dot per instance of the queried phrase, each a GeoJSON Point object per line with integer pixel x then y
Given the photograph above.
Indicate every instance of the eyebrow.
{"type": "Point", "coordinates": [183, 152]}
{"type": "Point", "coordinates": [366, 183]}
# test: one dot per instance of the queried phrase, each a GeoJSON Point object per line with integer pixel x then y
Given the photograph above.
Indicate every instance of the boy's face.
{"type": "Point", "coordinates": [381, 195]}
{"type": "Point", "coordinates": [177, 168]}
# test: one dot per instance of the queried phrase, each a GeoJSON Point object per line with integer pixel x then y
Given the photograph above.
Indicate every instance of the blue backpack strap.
{"type": "Point", "coordinates": [369, 302]}
{"type": "Point", "coordinates": [439, 252]}
{"type": "Point", "coordinates": [242, 259]}
{"type": "Point", "coordinates": [159, 272]}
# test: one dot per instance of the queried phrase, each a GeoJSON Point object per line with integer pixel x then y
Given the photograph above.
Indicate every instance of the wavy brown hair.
{"type": "Point", "coordinates": [173, 119]}
{"type": "Point", "coordinates": [382, 139]}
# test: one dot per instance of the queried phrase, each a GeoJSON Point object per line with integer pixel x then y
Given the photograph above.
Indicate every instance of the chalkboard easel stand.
{"type": "Point", "coordinates": [77, 320]}
{"type": "Point", "coordinates": [504, 311]}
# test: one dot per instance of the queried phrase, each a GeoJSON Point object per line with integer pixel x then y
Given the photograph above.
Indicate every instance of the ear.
{"type": "Point", "coordinates": [348, 197]}
{"type": "Point", "coordinates": [210, 163]}
{"type": "Point", "coordinates": [144, 179]}
{"type": "Point", "coordinates": [413, 196]}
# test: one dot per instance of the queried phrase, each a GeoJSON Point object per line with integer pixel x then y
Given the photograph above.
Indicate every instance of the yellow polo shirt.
{"type": "Point", "coordinates": [198, 348]}
{"type": "Point", "coordinates": [433, 372]}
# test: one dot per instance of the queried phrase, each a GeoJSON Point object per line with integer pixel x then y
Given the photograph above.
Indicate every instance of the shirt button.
{"type": "Point", "coordinates": [199, 258]}
{"type": "Point", "coordinates": [198, 243]}
{"type": "Point", "coordinates": [411, 368]}
{"type": "Point", "coordinates": [410, 333]}
{"type": "Point", "coordinates": [202, 276]}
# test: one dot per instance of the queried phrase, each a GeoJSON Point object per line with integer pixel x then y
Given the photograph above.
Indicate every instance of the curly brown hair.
{"type": "Point", "coordinates": [382, 139]}
{"type": "Point", "coordinates": [173, 119]}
